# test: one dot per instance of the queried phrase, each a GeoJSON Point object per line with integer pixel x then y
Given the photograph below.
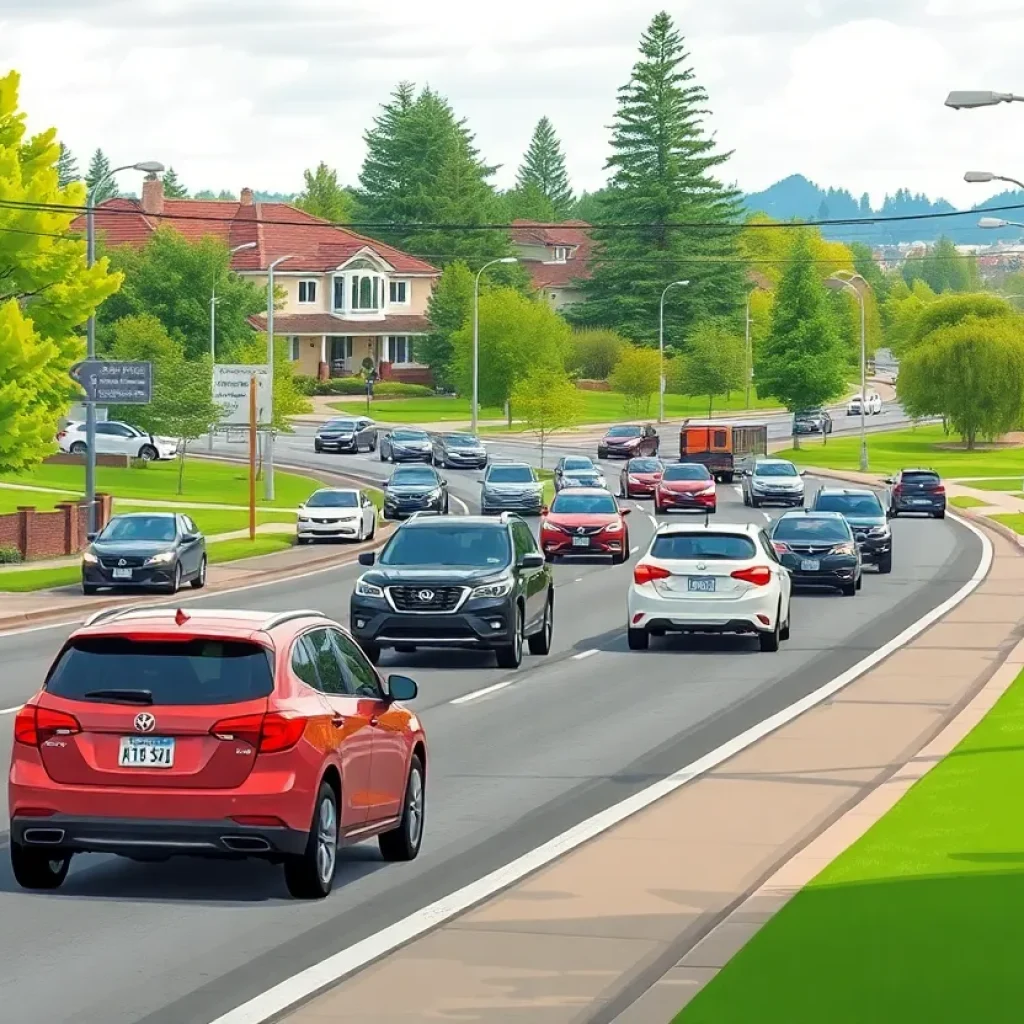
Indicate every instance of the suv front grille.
{"type": "Point", "coordinates": [426, 599]}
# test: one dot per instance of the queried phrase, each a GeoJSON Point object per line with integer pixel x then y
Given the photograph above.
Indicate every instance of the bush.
{"type": "Point", "coordinates": [594, 353]}
{"type": "Point", "coordinates": [9, 555]}
{"type": "Point", "coordinates": [306, 385]}
{"type": "Point", "coordinates": [353, 386]}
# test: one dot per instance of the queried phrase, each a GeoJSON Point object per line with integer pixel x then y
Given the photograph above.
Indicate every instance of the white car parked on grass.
{"type": "Point", "coordinates": [113, 438]}
{"type": "Point", "coordinates": [720, 578]}
{"type": "Point", "coordinates": [872, 408]}
{"type": "Point", "coordinates": [336, 513]}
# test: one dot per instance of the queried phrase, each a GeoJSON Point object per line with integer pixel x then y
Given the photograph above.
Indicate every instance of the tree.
{"type": "Point", "coordinates": [288, 400]}
{"type": "Point", "coordinates": [173, 188]}
{"type": "Point", "coordinates": [67, 167]}
{"type": "Point", "coordinates": [768, 245]}
{"type": "Point", "coordinates": [902, 310]}
{"type": "Point", "coordinates": [715, 362]}
{"type": "Point", "coordinates": [46, 291]}
{"type": "Point", "coordinates": [543, 170]}
{"type": "Point", "coordinates": [547, 401]}
{"type": "Point", "coordinates": [663, 166]}
{"type": "Point", "coordinates": [944, 269]}
{"type": "Point", "coordinates": [324, 197]}
{"type": "Point", "coordinates": [801, 361]}
{"type": "Point", "coordinates": [97, 181]}
{"type": "Point", "coordinates": [949, 310]}
{"type": "Point", "coordinates": [595, 352]}
{"type": "Point", "coordinates": [971, 373]}
{"type": "Point", "coordinates": [528, 203]}
{"type": "Point", "coordinates": [449, 308]}
{"type": "Point", "coordinates": [637, 376]}
{"type": "Point", "coordinates": [865, 264]}
{"type": "Point", "coordinates": [589, 207]}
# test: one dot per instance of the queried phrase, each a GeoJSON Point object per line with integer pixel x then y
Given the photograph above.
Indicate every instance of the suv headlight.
{"type": "Point", "coordinates": [879, 531]}
{"type": "Point", "coordinates": [501, 588]}
{"type": "Point", "coordinates": [89, 558]}
{"type": "Point", "coordinates": [163, 558]}
{"type": "Point", "coordinates": [364, 589]}
{"type": "Point", "coordinates": [435, 493]}
{"type": "Point", "coordinates": [849, 548]}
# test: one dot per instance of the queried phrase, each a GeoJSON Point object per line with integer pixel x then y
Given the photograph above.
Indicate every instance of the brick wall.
{"type": "Point", "coordinates": [408, 374]}
{"type": "Point", "coordinates": [39, 535]}
{"type": "Point", "coordinates": [67, 459]}
{"type": "Point", "coordinates": [593, 385]}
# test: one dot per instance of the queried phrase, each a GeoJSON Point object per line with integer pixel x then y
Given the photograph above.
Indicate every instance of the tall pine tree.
{"type": "Point", "coordinates": [173, 188]}
{"type": "Point", "coordinates": [543, 170]}
{"type": "Point", "coordinates": [99, 167]}
{"type": "Point", "coordinates": [67, 167]}
{"type": "Point", "coordinates": [663, 165]}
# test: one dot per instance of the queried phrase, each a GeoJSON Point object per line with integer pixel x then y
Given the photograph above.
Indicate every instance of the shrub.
{"type": "Point", "coordinates": [352, 386]}
{"type": "Point", "coordinates": [9, 555]}
{"type": "Point", "coordinates": [306, 385]}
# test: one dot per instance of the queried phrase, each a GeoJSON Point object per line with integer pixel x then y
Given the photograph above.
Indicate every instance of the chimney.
{"type": "Point", "coordinates": [153, 196]}
{"type": "Point", "coordinates": [246, 197]}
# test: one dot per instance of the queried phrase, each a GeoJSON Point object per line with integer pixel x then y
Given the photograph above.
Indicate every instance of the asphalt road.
{"type": "Point", "coordinates": [573, 733]}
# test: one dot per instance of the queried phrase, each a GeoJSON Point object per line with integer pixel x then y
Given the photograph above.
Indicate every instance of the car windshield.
{"type": "Point", "coordinates": [686, 471]}
{"type": "Point", "coordinates": [197, 671]}
{"type": "Point", "coordinates": [811, 529]}
{"type": "Point", "coordinates": [849, 504]}
{"type": "Point", "coordinates": [159, 528]}
{"type": "Point", "coordinates": [342, 426]}
{"type": "Point", "coordinates": [414, 477]}
{"type": "Point", "coordinates": [575, 465]}
{"type": "Point", "coordinates": [481, 546]}
{"type": "Point", "coordinates": [775, 469]}
{"type": "Point", "coordinates": [410, 435]}
{"type": "Point", "coordinates": [334, 499]}
{"type": "Point", "coordinates": [461, 441]}
{"type": "Point", "coordinates": [510, 475]}
{"type": "Point", "coordinates": [624, 432]}
{"type": "Point", "coordinates": [811, 412]}
{"type": "Point", "coordinates": [585, 504]}
{"type": "Point", "coordinates": [644, 466]}
{"type": "Point", "coordinates": [720, 547]}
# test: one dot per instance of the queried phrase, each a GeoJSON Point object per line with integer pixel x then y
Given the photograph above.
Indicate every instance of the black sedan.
{"type": "Point", "coordinates": [404, 445]}
{"type": "Point", "coordinates": [158, 551]}
{"type": "Point", "coordinates": [346, 435]}
{"type": "Point", "coordinates": [459, 451]}
{"type": "Point", "coordinates": [415, 489]}
{"type": "Point", "coordinates": [819, 550]}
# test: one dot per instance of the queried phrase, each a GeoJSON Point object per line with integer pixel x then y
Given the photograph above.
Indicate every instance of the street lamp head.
{"type": "Point", "coordinates": [993, 223]}
{"type": "Point", "coordinates": [969, 100]}
{"type": "Point", "coordinates": [245, 245]}
{"type": "Point", "coordinates": [682, 284]}
{"type": "Point", "coordinates": [509, 259]}
{"type": "Point", "coordinates": [149, 167]}
{"type": "Point", "coordinates": [979, 177]}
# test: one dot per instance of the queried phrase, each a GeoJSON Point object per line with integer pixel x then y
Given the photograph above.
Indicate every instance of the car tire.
{"type": "Point", "coordinates": [89, 589]}
{"type": "Point", "coordinates": [940, 515]}
{"type": "Point", "coordinates": [373, 527]}
{"type": "Point", "coordinates": [200, 581]}
{"type": "Point", "coordinates": [658, 510]}
{"type": "Point", "coordinates": [784, 632]}
{"type": "Point", "coordinates": [511, 655]}
{"type": "Point", "coordinates": [727, 478]}
{"type": "Point", "coordinates": [78, 448]}
{"type": "Point", "coordinates": [175, 585]}
{"type": "Point", "coordinates": [860, 582]}
{"type": "Point", "coordinates": [446, 506]}
{"type": "Point", "coordinates": [382, 459]}
{"type": "Point", "coordinates": [849, 590]}
{"type": "Point", "coordinates": [405, 648]}
{"type": "Point", "coordinates": [310, 875]}
{"type": "Point", "coordinates": [769, 642]}
{"type": "Point", "coordinates": [317, 448]}
{"type": "Point", "coordinates": [148, 453]}
{"type": "Point", "coordinates": [540, 642]}
{"type": "Point", "coordinates": [638, 639]}
{"type": "Point", "coordinates": [403, 843]}
{"type": "Point", "coordinates": [885, 564]}
{"type": "Point", "coordinates": [371, 650]}
{"type": "Point", "coordinates": [39, 869]}
{"type": "Point", "coordinates": [746, 500]}
{"type": "Point", "coordinates": [754, 503]}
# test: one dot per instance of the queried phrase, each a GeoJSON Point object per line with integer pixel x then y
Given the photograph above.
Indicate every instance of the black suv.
{"type": "Point", "coordinates": [917, 490]}
{"type": "Point", "coordinates": [415, 489]}
{"type": "Point", "coordinates": [864, 512]}
{"type": "Point", "coordinates": [818, 549]}
{"type": "Point", "coordinates": [467, 582]}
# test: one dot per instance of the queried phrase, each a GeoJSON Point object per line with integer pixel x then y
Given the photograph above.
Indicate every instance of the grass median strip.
{"type": "Point", "coordinates": [1014, 520]}
{"type": "Point", "coordinates": [966, 501]}
{"type": "Point", "coordinates": [921, 920]}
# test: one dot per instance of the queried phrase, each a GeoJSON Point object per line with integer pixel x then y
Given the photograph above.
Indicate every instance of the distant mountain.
{"type": "Point", "coordinates": [797, 198]}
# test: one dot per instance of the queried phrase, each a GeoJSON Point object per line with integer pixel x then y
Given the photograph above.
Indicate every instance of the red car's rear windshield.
{"type": "Point", "coordinates": [198, 671]}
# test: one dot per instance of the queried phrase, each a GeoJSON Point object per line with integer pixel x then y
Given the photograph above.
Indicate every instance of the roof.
{"type": "Point", "coordinates": [112, 620]}
{"type": "Point", "coordinates": [278, 229]}
{"type": "Point", "coordinates": [811, 513]}
{"type": "Point", "coordinates": [572, 233]}
{"type": "Point", "coordinates": [328, 323]}
{"type": "Point", "coordinates": [847, 490]}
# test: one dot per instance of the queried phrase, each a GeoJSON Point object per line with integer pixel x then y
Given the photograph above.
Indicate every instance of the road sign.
{"type": "Point", "coordinates": [231, 392]}
{"type": "Point", "coordinates": [108, 382]}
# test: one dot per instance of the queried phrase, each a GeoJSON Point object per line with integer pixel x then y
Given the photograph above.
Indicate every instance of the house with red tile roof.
{"type": "Point", "coordinates": [557, 258]}
{"type": "Point", "coordinates": [348, 298]}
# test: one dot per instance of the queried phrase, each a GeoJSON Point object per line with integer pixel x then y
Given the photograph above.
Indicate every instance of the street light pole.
{"type": "Point", "coordinates": [661, 347]}
{"type": "Point", "coordinates": [844, 280]}
{"type": "Point", "coordinates": [749, 348]}
{"type": "Point", "coordinates": [474, 414]}
{"type": "Point", "coordinates": [149, 167]}
{"type": "Point", "coordinates": [268, 436]}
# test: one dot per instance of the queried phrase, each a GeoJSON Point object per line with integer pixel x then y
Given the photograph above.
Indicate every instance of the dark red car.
{"type": "Point", "coordinates": [686, 486]}
{"type": "Point", "coordinates": [628, 440]}
{"type": "Point", "coordinates": [584, 521]}
{"type": "Point", "coordinates": [640, 478]}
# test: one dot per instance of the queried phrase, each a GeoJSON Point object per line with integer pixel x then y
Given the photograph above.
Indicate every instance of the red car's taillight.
{"type": "Point", "coordinates": [33, 725]}
{"type": "Point", "coordinates": [759, 575]}
{"type": "Point", "coordinates": [644, 572]}
{"type": "Point", "coordinates": [269, 733]}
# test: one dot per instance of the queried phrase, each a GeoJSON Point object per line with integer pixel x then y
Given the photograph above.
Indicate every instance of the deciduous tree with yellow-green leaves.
{"type": "Point", "coordinates": [46, 290]}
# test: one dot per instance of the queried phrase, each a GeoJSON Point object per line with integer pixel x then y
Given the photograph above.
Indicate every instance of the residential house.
{"type": "Point", "coordinates": [348, 298]}
{"type": "Point", "coordinates": [556, 258]}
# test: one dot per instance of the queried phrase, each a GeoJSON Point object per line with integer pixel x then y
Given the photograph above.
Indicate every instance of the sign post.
{"type": "Point", "coordinates": [253, 390]}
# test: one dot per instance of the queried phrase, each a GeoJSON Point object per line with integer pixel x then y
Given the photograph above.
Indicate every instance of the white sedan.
{"type": "Point", "coordinates": [337, 513]}
{"type": "Point", "coordinates": [872, 408]}
{"type": "Point", "coordinates": [113, 438]}
{"type": "Point", "coordinates": [720, 578]}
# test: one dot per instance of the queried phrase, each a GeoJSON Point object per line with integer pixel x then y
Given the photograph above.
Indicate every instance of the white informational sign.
{"type": "Point", "coordinates": [231, 392]}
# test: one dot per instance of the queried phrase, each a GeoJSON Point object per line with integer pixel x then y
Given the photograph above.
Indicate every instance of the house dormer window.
{"type": "Point", "coordinates": [307, 292]}
{"type": "Point", "coordinates": [360, 288]}
{"type": "Point", "coordinates": [562, 253]}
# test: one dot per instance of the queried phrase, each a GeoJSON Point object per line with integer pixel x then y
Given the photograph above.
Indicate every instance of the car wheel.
{"type": "Point", "coordinates": [78, 448]}
{"type": "Point", "coordinates": [754, 503]}
{"type": "Point", "coordinates": [371, 650]}
{"type": "Point", "coordinates": [940, 515]}
{"type": "Point", "coordinates": [318, 448]}
{"type": "Point", "coordinates": [849, 589]}
{"type": "Point", "coordinates": [39, 869]}
{"type": "Point", "coordinates": [885, 564]}
{"type": "Point", "coordinates": [373, 527]}
{"type": "Point", "coordinates": [446, 506]}
{"type": "Point", "coordinates": [638, 639]}
{"type": "Point", "coordinates": [540, 642]}
{"type": "Point", "coordinates": [403, 843]}
{"type": "Point", "coordinates": [89, 589]}
{"type": "Point", "coordinates": [860, 582]}
{"type": "Point", "coordinates": [784, 632]}
{"type": "Point", "coordinates": [175, 585]}
{"type": "Point", "coordinates": [382, 459]}
{"type": "Point", "coordinates": [769, 642]}
{"type": "Point", "coordinates": [148, 453]}
{"type": "Point", "coordinates": [200, 581]}
{"type": "Point", "coordinates": [310, 874]}
{"type": "Point", "coordinates": [511, 655]}
{"type": "Point", "coordinates": [727, 478]}
{"type": "Point", "coordinates": [658, 510]}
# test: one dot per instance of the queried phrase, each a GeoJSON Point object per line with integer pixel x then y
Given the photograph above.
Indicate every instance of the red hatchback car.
{"type": "Point", "coordinates": [686, 486]}
{"type": "Point", "coordinates": [584, 521]}
{"type": "Point", "coordinates": [640, 478]}
{"type": "Point", "coordinates": [214, 734]}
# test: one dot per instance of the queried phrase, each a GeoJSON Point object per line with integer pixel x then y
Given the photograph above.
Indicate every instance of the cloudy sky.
{"type": "Point", "coordinates": [847, 92]}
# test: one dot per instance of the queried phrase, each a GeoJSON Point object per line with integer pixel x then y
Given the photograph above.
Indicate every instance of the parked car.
{"type": "Point", "coordinates": [866, 516]}
{"type": "Point", "coordinates": [346, 435]}
{"type": "Point", "coordinates": [469, 582]}
{"type": "Point", "coordinates": [916, 490]}
{"type": "Point", "coordinates": [628, 440]}
{"type": "Point", "coordinates": [812, 421]}
{"type": "Point", "coordinates": [511, 487]}
{"type": "Point", "coordinates": [773, 482]}
{"type": "Point", "coordinates": [415, 489]}
{"type": "Point", "coordinates": [214, 733]}
{"type": "Point", "coordinates": [685, 487]}
{"type": "Point", "coordinates": [158, 551]}
{"type": "Point", "coordinates": [336, 513]}
{"type": "Point", "coordinates": [819, 550]}
{"type": "Point", "coordinates": [585, 521]}
{"type": "Point", "coordinates": [459, 451]}
{"type": "Point", "coordinates": [402, 445]}
{"type": "Point", "coordinates": [872, 406]}
{"type": "Point", "coordinates": [577, 471]}
{"type": "Point", "coordinates": [115, 438]}
{"type": "Point", "coordinates": [640, 477]}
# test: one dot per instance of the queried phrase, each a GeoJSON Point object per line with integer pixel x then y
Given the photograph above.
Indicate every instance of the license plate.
{"type": "Point", "coordinates": [701, 584]}
{"type": "Point", "coordinates": [921, 501]}
{"type": "Point", "coordinates": [810, 565]}
{"type": "Point", "coordinates": [122, 574]}
{"type": "Point", "coordinates": [146, 752]}
{"type": "Point", "coordinates": [581, 542]}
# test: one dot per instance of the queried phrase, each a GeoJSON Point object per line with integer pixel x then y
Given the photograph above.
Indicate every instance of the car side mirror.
{"type": "Point", "coordinates": [888, 480]}
{"type": "Point", "coordinates": [625, 511]}
{"type": "Point", "coordinates": [401, 688]}
{"type": "Point", "coordinates": [444, 481]}
{"type": "Point", "coordinates": [531, 561]}
{"type": "Point", "coordinates": [189, 538]}
{"type": "Point", "coordinates": [803, 472]}
{"type": "Point", "coordinates": [90, 537]}
{"type": "Point", "coordinates": [544, 510]}
{"type": "Point", "coordinates": [367, 558]}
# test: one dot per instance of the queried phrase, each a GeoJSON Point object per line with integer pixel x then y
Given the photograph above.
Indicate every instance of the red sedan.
{"type": "Point", "coordinates": [686, 486]}
{"type": "Point", "coordinates": [230, 734]}
{"type": "Point", "coordinates": [585, 521]}
{"type": "Point", "coordinates": [640, 478]}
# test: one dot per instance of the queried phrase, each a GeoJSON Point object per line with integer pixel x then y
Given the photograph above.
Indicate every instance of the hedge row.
{"type": "Point", "coordinates": [357, 386]}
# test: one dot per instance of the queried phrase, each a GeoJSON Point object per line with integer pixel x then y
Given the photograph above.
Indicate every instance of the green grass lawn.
{"type": "Point", "coordinates": [548, 476]}
{"type": "Point", "coordinates": [895, 450]}
{"type": "Point", "coordinates": [1008, 485]}
{"type": "Point", "coordinates": [1014, 520]}
{"type": "Point", "coordinates": [598, 407]}
{"type": "Point", "coordinates": [966, 501]}
{"type": "Point", "coordinates": [921, 920]}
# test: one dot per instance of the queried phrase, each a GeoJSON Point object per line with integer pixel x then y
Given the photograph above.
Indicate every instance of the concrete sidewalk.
{"type": "Point", "coordinates": [628, 926]}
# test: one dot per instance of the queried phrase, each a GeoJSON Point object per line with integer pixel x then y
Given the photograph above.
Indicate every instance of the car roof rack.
{"type": "Point", "coordinates": [423, 513]}
{"type": "Point", "coordinates": [282, 617]}
{"type": "Point", "coordinates": [107, 614]}
{"type": "Point", "coordinates": [110, 614]}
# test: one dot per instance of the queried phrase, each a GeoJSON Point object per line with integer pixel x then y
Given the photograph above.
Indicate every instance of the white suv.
{"type": "Point", "coordinates": [720, 578]}
{"type": "Point", "coordinates": [113, 438]}
{"type": "Point", "coordinates": [872, 407]}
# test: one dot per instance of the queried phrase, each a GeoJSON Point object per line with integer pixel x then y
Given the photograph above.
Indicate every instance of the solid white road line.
{"type": "Point", "coordinates": [477, 694]}
{"type": "Point", "coordinates": [767, 516]}
{"type": "Point", "coordinates": [633, 551]}
{"type": "Point", "coordinates": [653, 519]}
{"type": "Point", "coordinates": [312, 980]}
{"type": "Point", "coordinates": [584, 654]}
{"type": "Point", "coordinates": [11, 711]}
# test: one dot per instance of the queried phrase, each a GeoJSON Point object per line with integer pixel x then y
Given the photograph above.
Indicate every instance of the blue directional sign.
{"type": "Point", "coordinates": [113, 382]}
